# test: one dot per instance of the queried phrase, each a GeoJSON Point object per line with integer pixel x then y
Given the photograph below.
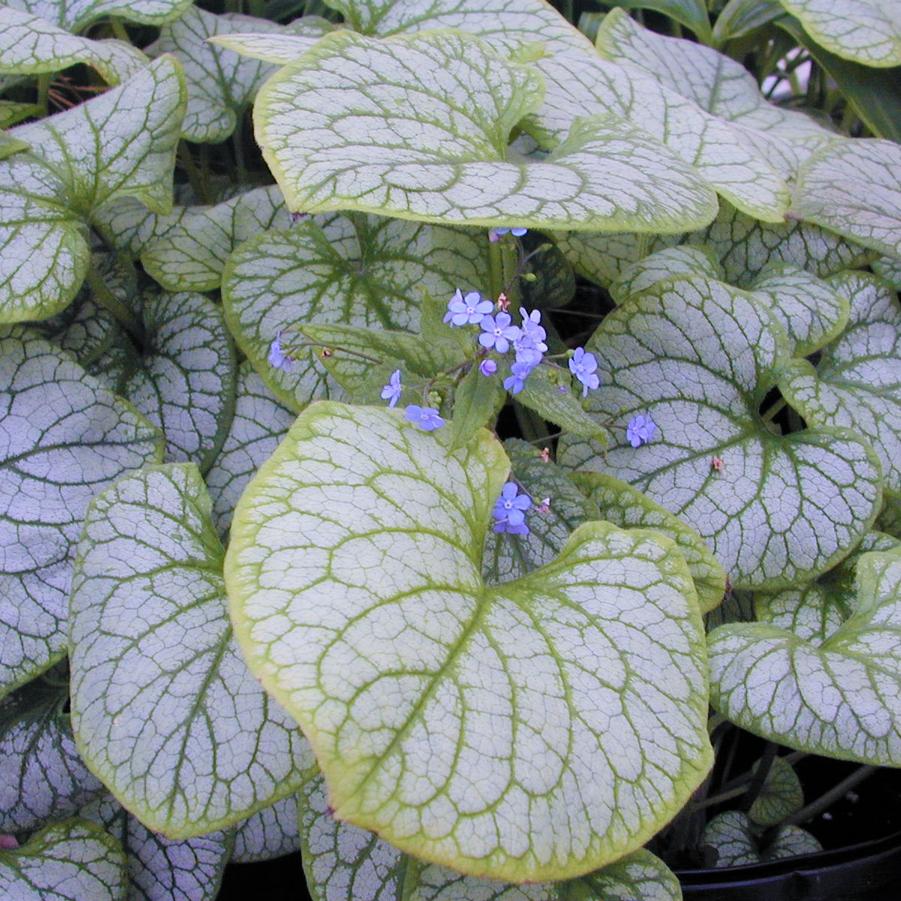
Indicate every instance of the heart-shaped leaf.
{"type": "Point", "coordinates": [853, 188]}
{"type": "Point", "coordinates": [71, 861]}
{"type": "Point", "coordinates": [186, 381]}
{"type": "Point", "coordinates": [269, 833]}
{"type": "Point", "coordinates": [158, 684]}
{"type": "Point", "coordinates": [857, 381]}
{"type": "Point", "coordinates": [186, 249]}
{"type": "Point", "coordinates": [65, 437]}
{"type": "Point", "coordinates": [840, 697]}
{"type": "Point", "coordinates": [682, 261]}
{"type": "Point", "coordinates": [355, 270]}
{"type": "Point", "coordinates": [625, 506]}
{"type": "Point", "coordinates": [742, 245]}
{"type": "Point", "coordinates": [335, 143]}
{"type": "Point", "coordinates": [698, 357]}
{"type": "Point", "coordinates": [76, 15]}
{"type": "Point", "coordinates": [554, 691]}
{"type": "Point", "coordinates": [780, 795]}
{"type": "Point", "coordinates": [160, 869]}
{"type": "Point", "coordinates": [220, 83]}
{"type": "Point", "coordinates": [737, 842]}
{"type": "Point", "coordinates": [866, 31]}
{"type": "Point", "coordinates": [42, 778]}
{"type": "Point", "coordinates": [121, 143]}
{"type": "Point", "coordinates": [258, 425]}
{"type": "Point", "coordinates": [342, 861]}
{"type": "Point", "coordinates": [30, 45]}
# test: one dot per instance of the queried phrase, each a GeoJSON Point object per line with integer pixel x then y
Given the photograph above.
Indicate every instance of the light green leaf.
{"type": "Point", "coordinates": [76, 15]}
{"type": "Point", "coordinates": [683, 261]}
{"type": "Point", "coordinates": [717, 84]}
{"type": "Point", "coordinates": [699, 357]}
{"type": "Point", "coordinates": [30, 45]}
{"type": "Point", "coordinates": [477, 400]}
{"type": "Point", "coordinates": [507, 556]}
{"type": "Point", "coordinates": [71, 861]}
{"type": "Point", "coordinates": [857, 382]}
{"type": "Point", "coordinates": [11, 113]}
{"type": "Point", "coordinates": [548, 392]}
{"type": "Point", "coordinates": [64, 437]}
{"type": "Point", "coordinates": [840, 697]}
{"type": "Point", "coordinates": [742, 245]}
{"type": "Point", "coordinates": [853, 188]}
{"type": "Point", "coordinates": [736, 841]}
{"type": "Point", "coordinates": [160, 869]}
{"type": "Point", "coordinates": [258, 425]}
{"type": "Point", "coordinates": [158, 684]}
{"type": "Point", "coordinates": [186, 249]}
{"type": "Point", "coordinates": [342, 861]}
{"type": "Point", "coordinates": [780, 795]}
{"type": "Point", "coordinates": [220, 83]}
{"type": "Point", "coordinates": [279, 47]}
{"type": "Point", "coordinates": [354, 270]}
{"type": "Point", "coordinates": [740, 17]}
{"type": "Point", "coordinates": [269, 833]}
{"type": "Point", "coordinates": [625, 506]}
{"type": "Point", "coordinates": [498, 729]}
{"type": "Point", "coordinates": [874, 95]}
{"type": "Point", "coordinates": [811, 311]}
{"type": "Point", "coordinates": [186, 381]}
{"type": "Point", "coordinates": [865, 31]}
{"type": "Point", "coordinates": [358, 149]}
{"type": "Point", "coordinates": [815, 611]}
{"type": "Point", "coordinates": [121, 143]}
{"type": "Point", "coordinates": [42, 778]}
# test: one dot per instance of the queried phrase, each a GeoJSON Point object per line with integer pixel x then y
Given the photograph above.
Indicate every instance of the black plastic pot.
{"type": "Point", "coordinates": [869, 871]}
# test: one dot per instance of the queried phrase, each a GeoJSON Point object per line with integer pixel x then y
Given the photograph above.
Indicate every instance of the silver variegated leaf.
{"type": "Point", "coordinates": [269, 833]}
{"type": "Point", "coordinates": [737, 843]}
{"type": "Point", "coordinates": [163, 707]}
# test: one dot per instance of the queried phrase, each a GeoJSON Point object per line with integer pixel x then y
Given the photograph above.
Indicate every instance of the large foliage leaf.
{"type": "Point", "coordinates": [354, 270]}
{"type": "Point", "coordinates": [857, 381]}
{"type": "Point", "coordinates": [71, 861]}
{"type": "Point", "coordinates": [162, 869]}
{"type": "Point", "coordinates": [865, 31]}
{"type": "Point", "coordinates": [270, 832]}
{"type": "Point", "coordinates": [737, 842]}
{"type": "Point", "coordinates": [335, 138]}
{"type": "Point", "coordinates": [186, 249]}
{"type": "Point", "coordinates": [854, 188]}
{"type": "Point", "coordinates": [159, 689]}
{"type": "Point", "coordinates": [498, 729]}
{"type": "Point", "coordinates": [185, 383]}
{"type": "Point", "coordinates": [742, 245]}
{"type": "Point", "coordinates": [121, 143]}
{"type": "Point", "coordinates": [42, 778]}
{"type": "Point", "coordinates": [65, 437]}
{"type": "Point", "coordinates": [840, 697]}
{"type": "Point", "coordinates": [76, 15]}
{"type": "Point", "coordinates": [342, 861]}
{"type": "Point", "coordinates": [30, 45]}
{"type": "Point", "coordinates": [699, 357]}
{"type": "Point", "coordinates": [258, 425]}
{"type": "Point", "coordinates": [220, 83]}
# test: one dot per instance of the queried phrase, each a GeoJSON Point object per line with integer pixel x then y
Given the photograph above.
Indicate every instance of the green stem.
{"type": "Point", "coordinates": [718, 798]}
{"type": "Point", "coordinates": [830, 797]}
{"type": "Point", "coordinates": [121, 311]}
{"type": "Point", "coordinates": [119, 30]}
{"type": "Point", "coordinates": [186, 160]}
{"type": "Point", "coordinates": [44, 91]}
{"type": "Point", "coordinates": [779, 405]}
{"type": "Point", "coordinates": [495, 269]}
{"type": "Point", "coordinates": [759, 775]}
{"type": "Point", "coordinates": [510, 271]}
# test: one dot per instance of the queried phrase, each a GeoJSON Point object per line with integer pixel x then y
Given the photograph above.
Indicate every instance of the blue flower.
{"type": "Point", "coordinates": [510, 510]}
{"type": "Point", "coordinates": [583, 365]}
{"type": "Point", "coordinates": [520, 370]}
{"type": "Point", "coordinates": [426, 418]}
{"type": "Point", "coordinates": [487, 367]}
{"type": "Point", "coordinates": [495, 234]}
{"type": "Point", "coordinates": [498, 332]}
{"type": "Point", "coordinates": [277, 357]}
{"type": "Point", "coordinates": [391, 392]}
{"type": "Point", "coordinates": [467, 310]}
{"type": "Point", "coordinates": [641, 430]}
{"type": "Point", "coordinates": [530, 346]}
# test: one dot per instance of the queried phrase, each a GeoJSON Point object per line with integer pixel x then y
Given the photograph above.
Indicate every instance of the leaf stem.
{"type": "Point", "coordinates": [119, 30]}
{"type": "Point", "coordinates": [43, 97]}
{"type": "Point", "coordinates": [198, 183]}
{"type": "Point", "coordinates": [758, 775]}
{"type": "Point", "coordinates": [830, 797]}
{"type": "Point", "coordinates": [123, 314]}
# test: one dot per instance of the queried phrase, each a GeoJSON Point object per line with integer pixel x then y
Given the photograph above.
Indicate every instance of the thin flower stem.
{"type": "Point", "coordinates": [121, 311]}
{"type": "Point", "coordinates": [495, 269]}
{"type": "Point", "coordinates": [186, 159]}
{"type": "Point", "coordinates": [830, 797]}
{"type": "Point", "coordinates": [718, 798]}
{"type": "Point", "coordinates": [776, 408]}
